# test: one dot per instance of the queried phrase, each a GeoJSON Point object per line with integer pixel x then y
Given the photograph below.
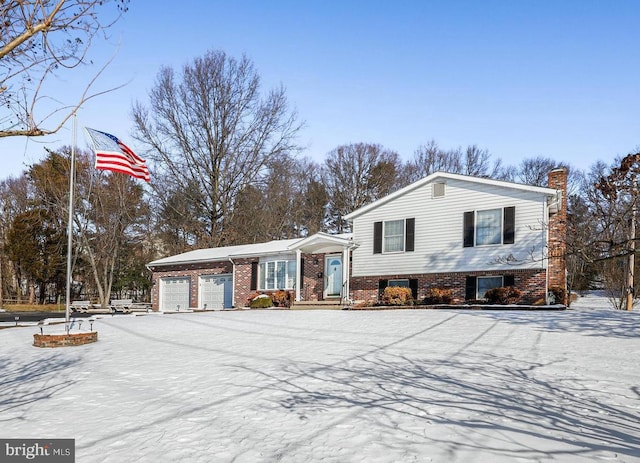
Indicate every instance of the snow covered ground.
{"type": "Point", "coordinates": [335, 386]}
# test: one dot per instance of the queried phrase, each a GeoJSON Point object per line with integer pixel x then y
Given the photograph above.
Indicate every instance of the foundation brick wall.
{"type": "Point", "coordinates": [193, 271]}
{"type": "Point", "coordinates": [558, 232]}
{"type": "Point", "coordinates": [532, 283]}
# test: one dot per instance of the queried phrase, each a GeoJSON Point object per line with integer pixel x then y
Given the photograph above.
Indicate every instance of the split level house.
{"type": "Point", "coordinates": [450, 231]}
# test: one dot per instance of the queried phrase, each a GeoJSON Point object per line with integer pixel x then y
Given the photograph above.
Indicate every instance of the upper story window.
{"type": "Point", "coordinates": [394, 236]}
{"type": "Point", "coordinates": [490, 226]}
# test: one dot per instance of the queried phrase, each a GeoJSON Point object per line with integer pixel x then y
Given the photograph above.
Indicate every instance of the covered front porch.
{"type": "Point", "coordinates": [329, 270]}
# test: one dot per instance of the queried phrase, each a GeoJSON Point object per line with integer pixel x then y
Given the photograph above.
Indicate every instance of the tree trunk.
{"type": "Point", "coordinates": [1, 283]}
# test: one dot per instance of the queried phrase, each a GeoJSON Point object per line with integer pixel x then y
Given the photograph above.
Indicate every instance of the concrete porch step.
{"type": "Point", "coordinates": [323, 305]}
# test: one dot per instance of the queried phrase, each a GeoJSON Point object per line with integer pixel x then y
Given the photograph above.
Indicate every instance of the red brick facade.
{"type": "Point", "coordinates": [312, 285]}
{"type": "Point", "coordinates": [64, 340]}
{"type": "Point", "coordinates": [313, 279]}
{"type": "Point", "coordinates": [242, 281]}
{"type": "Point", "coordinates": [193, 271]}
{"type": "Point", "coordinates": [532, 283]}
{"type": "Point", "coordinates": [312, 288]}
{"type": "Point", "coordinates": [558, 232]}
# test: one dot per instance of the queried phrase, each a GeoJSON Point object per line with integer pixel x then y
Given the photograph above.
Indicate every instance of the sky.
{"type": "Point", "coordinates": [557, 79]}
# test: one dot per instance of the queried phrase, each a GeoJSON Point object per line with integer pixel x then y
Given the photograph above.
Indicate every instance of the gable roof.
{"type": "Point", "coordinates": [226, 253]}
{"type": "Point", "coordinates": [445, 175]}
{"type": "Point", "coordinates": [323, 242]}
{"type": "Point", "coordinates": [314, 243]}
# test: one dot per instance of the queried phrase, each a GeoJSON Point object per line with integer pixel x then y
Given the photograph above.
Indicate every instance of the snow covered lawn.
{"type": "Point", "coordinates": [334, 386]}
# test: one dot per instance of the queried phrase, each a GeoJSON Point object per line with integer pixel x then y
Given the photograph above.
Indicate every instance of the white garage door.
{"type": "Point", "coordinates": [174, 293]}
{"type": "Point", "coordinates": [216, 292]}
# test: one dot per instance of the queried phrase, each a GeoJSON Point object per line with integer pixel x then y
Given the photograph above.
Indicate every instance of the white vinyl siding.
{"type": "Point", "coordinates": [439, 231]}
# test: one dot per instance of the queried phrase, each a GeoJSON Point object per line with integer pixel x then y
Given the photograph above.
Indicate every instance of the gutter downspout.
{"type": "Point", "coordinates": [233, 283]}
{"type": "Point", "coordinates": [299, 276]}
{"type": "Point", "coordinates": [152, 289]}
{"type": "Point", "coordinates": [557, 202]}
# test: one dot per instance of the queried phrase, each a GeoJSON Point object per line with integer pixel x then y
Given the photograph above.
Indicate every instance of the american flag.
{"type": "Point", "coordinates": [113, 155]}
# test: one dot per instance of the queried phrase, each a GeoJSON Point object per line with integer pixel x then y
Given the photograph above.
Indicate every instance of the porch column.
{"type": "Point", "coordinates": [345, 273]}
{"type": "Point", "coordinates": [299, 276]}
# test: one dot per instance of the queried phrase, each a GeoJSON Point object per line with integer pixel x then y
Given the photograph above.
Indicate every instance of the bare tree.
{"type": "Point", "coordinates": [477, 162]}
{"type": "Point", "coordinates": [209, 133]}
{"type": "Point", "coordinates": [38, 40]}
{"type": "Point", "coordinates": [355, 175]}
{"type": "Point", "coordinates": [289, 202]}
{"type": "Point", "coordinates": [534, 171]}
{"type": "Point", "coordinates": [620, 188]}
{"type": "Point", "coordinates": [14, 200]}
{"type": "Point", "coordinates": [116, 207]}
{"type": "Point", "coordinates": [430, 158]}
{"type": "Point", "coordinates": [108, 216]}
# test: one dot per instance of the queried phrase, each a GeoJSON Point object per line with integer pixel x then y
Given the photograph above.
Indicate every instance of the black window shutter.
{"type": "Point", "coordinates": [377, 237]}
{"type": "Point", "coordinates": [413, 284]}
{"type": "Point", "coordinates": [469, 226]}
{"type": "Point", "coordinates": [508, 280]}
{"type": "Point", "coordinates": [410, 233]}
{"type": "Point", "coordinates": [301, 272]}
{"type": "Point", "coordinates": [382, 284]}
{"type": "Point", "coordinates": [254, 276]}
{"type": "Point", "coordinates": [470, 288]}
{"type": "Point", "coordinates": [509, 227]}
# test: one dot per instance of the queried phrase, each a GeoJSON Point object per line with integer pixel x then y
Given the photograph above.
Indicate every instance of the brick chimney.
{"type": "Point", "coordinates": [557, 269]}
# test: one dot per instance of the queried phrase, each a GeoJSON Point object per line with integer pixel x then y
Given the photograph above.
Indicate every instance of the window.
{"type": "Point", "coordinates": [411, 283]}
{"type": "Point", "coordinates": [491, 226]}
{"type": "Point", "coordinates": [399, 283]}
{"type": "Point", "coordinates": [277, 274]}
{"type": "Point", "coordinates": [487, 283]}
{"type": "Point", "coordinates": [477, 287]}
{"type": "Point", "coordinates": [394, 236]}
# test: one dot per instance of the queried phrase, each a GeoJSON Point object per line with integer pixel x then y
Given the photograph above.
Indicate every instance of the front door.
{"type": "Point", "coordinates": [333, 276]}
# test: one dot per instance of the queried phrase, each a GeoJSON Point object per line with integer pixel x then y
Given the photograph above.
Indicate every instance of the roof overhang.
{"type": "Point", "coordinates": [549, 192]}
{"type": "Point", "coordinates": [159, 262]}
{"type": "Point", "coordinates": [323, 243]}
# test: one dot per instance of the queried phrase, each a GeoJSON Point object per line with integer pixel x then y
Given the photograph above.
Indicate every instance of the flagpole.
{"type": "Point", "coordinates": [72, 176]}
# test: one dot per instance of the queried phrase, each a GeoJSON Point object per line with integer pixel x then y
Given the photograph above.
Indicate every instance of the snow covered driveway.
{"type": "Point", "coordinates": [334, 386]}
